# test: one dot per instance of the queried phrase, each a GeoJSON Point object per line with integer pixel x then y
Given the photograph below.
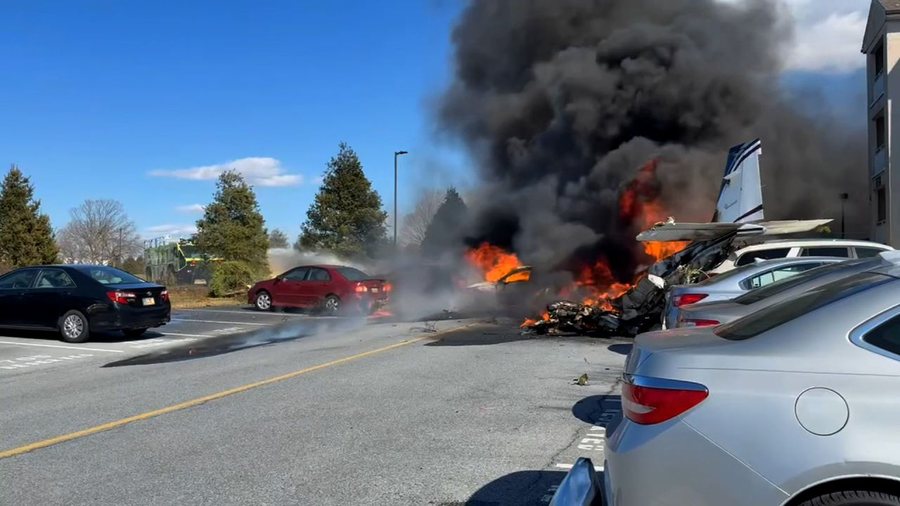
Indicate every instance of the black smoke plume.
{"type": "Point", "coordinates": [562, 102]}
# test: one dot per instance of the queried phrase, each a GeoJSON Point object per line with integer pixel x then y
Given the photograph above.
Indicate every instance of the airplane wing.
{"type": "Point", "coordinates": [671, 231]}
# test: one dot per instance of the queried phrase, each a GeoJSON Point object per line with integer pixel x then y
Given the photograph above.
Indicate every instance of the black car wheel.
{"type": "Point", "coordinates": [332, 305]}
{"type": "Point", "coordinates": [854, 498]}
{"type": "Point", "coordinates": [263, 301]}
{"type": "Point", "coordinates": [73, 327]}
{"type": "Point", "coordinates": [134, 332]}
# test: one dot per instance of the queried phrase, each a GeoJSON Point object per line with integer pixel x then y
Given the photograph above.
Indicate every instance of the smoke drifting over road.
{"type": "Point", "coordinates": [563, 101]}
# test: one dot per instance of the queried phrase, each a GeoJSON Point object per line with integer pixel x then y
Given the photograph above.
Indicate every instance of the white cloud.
{"type": "Point", "coordinates": [174, 230]}
{"type": "Point", "coordinates": [191, 208]}
{"type": "Point", "coordinates": [259, 171]}
{"type": "Point", "coordinates": [827, 34]}
{"type": "Point", "coordinates": [831, 44]}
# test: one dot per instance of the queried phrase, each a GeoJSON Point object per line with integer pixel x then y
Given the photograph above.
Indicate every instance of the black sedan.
{"type": "Point", "coordinates": [79, 299]}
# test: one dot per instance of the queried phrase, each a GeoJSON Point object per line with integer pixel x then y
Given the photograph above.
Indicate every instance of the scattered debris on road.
{"type": "Point", "coordinates": [581, 380]}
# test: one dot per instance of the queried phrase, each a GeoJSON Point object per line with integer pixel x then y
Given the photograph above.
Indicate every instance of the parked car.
{"type": "Point", "coordinates": [330, 288]}
{"type": "Point", "coordinates": [706, 314]}
{"type": "Point", "coordinates": [737, 282]}
{"type": "Point", "coordinates": [76, 300]}
{"type": "Point", "coordinates": [789, 248]}
{"type": "Point", "coordinates": [791, 405]}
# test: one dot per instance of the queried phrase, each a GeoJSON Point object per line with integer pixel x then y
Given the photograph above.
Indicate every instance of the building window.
{"type": "Point", "coordinates": [882, 205]}
{"type": "Point", "coordinates": [878, 53]}
{"type": "Point", "coordinates": [880, 134]}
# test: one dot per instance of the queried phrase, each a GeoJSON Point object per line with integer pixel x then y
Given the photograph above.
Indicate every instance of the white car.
{"type": "Point", "coordinates": [789, 248]}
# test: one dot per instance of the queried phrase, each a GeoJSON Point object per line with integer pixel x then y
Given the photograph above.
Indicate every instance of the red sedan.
{"type": "Point", "coordinates": [331, 288]}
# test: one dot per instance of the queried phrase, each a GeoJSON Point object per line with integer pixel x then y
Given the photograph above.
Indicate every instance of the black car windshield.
{"type": "Point", "coordinates": [352, 274]}
{"type": "Point", "coordinates": [777, 314]}
{"type": "Point", "coordinates": [108, 275]}
{"type": "Point", "coordinates": [788, 283]}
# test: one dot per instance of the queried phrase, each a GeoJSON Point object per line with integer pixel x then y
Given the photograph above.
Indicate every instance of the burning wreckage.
{"type": "Point", "coordinates": [738, 217]}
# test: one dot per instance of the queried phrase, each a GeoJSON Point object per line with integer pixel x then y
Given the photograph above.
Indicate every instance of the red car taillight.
{"type": "Point", "coordinates": [360, 288]}
{"type": "Point", "coordinates": [688, 322]}
{"type": "Point", "coordinates": [689, 298]}
{"type": "Point", "coordinates": [649, 405]}
{"type": "Point", "coordinates": [164, 295]}
{"type": "Point", "coordinates": [121, 297]}
{"type": "Point", "coordinates": [388, 287]}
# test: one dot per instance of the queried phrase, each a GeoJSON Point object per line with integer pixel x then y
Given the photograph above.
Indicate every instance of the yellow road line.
{"type": "Point", "coordinates": [202, 400]}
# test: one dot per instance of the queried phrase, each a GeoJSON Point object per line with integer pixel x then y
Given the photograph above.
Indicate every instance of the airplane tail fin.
{"type": "Point", "coordinates": [740, 197]}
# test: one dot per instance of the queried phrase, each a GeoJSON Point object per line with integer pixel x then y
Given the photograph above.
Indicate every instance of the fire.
{"type": "Point", "coordinates": [519, 277]}
{"type": "Point", "coordinates": [545, 316]}
{"type": "Point", "coordinates": [640, 204]}
{"type": "Point", "coordinates": [494, 261]}
{"type": "Point", "coordinates": [600, 284]}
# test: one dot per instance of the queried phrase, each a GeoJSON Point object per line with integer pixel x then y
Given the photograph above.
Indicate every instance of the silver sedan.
{"type": "Point", "coordinates": [736, 282]}
{"type": "Point", "coordinates": [793, 405]}
{"type": "Point", "coordinates": [707, 314]}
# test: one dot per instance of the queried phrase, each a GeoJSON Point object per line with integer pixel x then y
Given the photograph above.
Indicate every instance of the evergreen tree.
{"type": "Point", "coordinates": [278, 239]}
{"type": "Point", "coordinates": [26, 237]}
{"type": "Point", "coordinates": [346, 217]}
{"type": "Point", "coordinates": [232, 227]}
{"type": "Point", "coordinates": [444, 233]}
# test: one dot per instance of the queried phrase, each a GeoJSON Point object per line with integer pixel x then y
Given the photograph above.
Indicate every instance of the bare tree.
{"type": "Point", "coordinates": [412, 231]}
{"type": "Point", "coordinates": [99, 232]}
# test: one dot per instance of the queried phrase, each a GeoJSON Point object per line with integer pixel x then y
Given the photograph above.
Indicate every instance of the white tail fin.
{"type": "Point", "coordinates": [740, 198]}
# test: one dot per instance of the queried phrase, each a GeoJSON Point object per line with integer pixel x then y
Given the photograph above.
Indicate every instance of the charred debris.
{"type": "Point", "coordinates": [640, 308]}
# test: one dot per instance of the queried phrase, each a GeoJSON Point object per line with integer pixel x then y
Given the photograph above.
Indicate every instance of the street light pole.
{"type": "Point", "coordinates": [396, 154]}
{"type": "Point", "coordinates": [844, 197]}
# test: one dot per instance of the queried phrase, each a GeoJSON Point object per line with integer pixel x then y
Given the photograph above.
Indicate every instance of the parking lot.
{"type": "Point", "coordinates": [26, 352]}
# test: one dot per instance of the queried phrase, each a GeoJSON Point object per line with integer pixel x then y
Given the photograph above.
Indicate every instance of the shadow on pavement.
{"type": "Point", "coordinates": [601, 410]}
{"type": "Point", "coordinates": [519, 488]}
{"type": "Point", "coordinates": [621, 349]}
{"type": "Point", "coordinates": [480, 337]}
{"type": "Point", "coordinates": [228, 343]}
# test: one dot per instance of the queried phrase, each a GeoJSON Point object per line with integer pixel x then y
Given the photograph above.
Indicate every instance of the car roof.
{"type": "Point", "coordinates": [65, 266]}
{"type": "Point", "coordinates": [790, 243]}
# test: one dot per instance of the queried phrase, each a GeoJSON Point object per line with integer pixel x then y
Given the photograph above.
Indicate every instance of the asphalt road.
{"type": "Point", "coordinates": [288, 409]}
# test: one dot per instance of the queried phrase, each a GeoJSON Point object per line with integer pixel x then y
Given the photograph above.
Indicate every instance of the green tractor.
{"type": "Point", "coordinates": [176, 262]}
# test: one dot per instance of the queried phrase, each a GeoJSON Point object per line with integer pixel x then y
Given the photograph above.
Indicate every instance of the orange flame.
{"type": "Point", "coordinates": [494, 261]}
{"type": "Point", "coordinates": [639, 203]}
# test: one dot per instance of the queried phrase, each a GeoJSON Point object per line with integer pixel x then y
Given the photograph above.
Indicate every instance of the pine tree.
{"type": "Point", "coordinates": [232, 227]}
{"type": "Point", "coordinates": [346, 217]}
{"type": "Point", "coordinates": [278, 239]}
{"type": "Point", "coordinates": [26, 237]}
{"type": "Point", "coordinates": [444, 233]}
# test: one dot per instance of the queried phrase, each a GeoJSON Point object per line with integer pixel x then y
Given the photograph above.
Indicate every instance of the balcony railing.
{"type": "Point", "coordinates": [879, 162]}
{"type": "Point", "coordinates": [877, 87]}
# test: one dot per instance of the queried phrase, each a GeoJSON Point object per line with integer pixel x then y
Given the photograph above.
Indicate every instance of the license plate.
{"type": "Point", "coordinates": [149, 301]}
{"type": "Point", "coordinates": [374, 290]}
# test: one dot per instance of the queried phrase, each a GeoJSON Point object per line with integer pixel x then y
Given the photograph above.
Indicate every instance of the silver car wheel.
{"type": "Point", "coordinates": [73, 326]}
{"type": "Point", "coordinates": [332, 304]}
{"type": "Point", "coordinates": [263, 301]}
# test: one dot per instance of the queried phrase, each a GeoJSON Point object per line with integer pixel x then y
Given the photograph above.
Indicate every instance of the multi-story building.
{"type": "Point", "coordinates": [881, 44]}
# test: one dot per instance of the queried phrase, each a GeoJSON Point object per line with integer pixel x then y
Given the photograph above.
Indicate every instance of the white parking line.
{"type": "Point", "coordinates": [176, 334]}
{"type": "Point", "coordinates": [60, 346]}
{"type": "Point", "coordinates": [221, 322]}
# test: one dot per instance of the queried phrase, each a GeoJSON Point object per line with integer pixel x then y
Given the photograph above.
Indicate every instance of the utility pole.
{"type": "Point", "coordinates": [396, 154]}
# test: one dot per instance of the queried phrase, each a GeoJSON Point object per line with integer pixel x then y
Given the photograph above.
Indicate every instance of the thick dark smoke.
{"type": "Point", "coordinates": [563, 101]}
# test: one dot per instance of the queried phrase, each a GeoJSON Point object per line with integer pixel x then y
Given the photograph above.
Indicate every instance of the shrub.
{"type": "Point", "coordinates": [230, 277]}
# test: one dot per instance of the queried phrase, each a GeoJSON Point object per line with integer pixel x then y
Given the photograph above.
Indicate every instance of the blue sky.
{"type": "Point", "coordinates": [99, 95]}
{"type": "Point", "coordinates": [144, 101]}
